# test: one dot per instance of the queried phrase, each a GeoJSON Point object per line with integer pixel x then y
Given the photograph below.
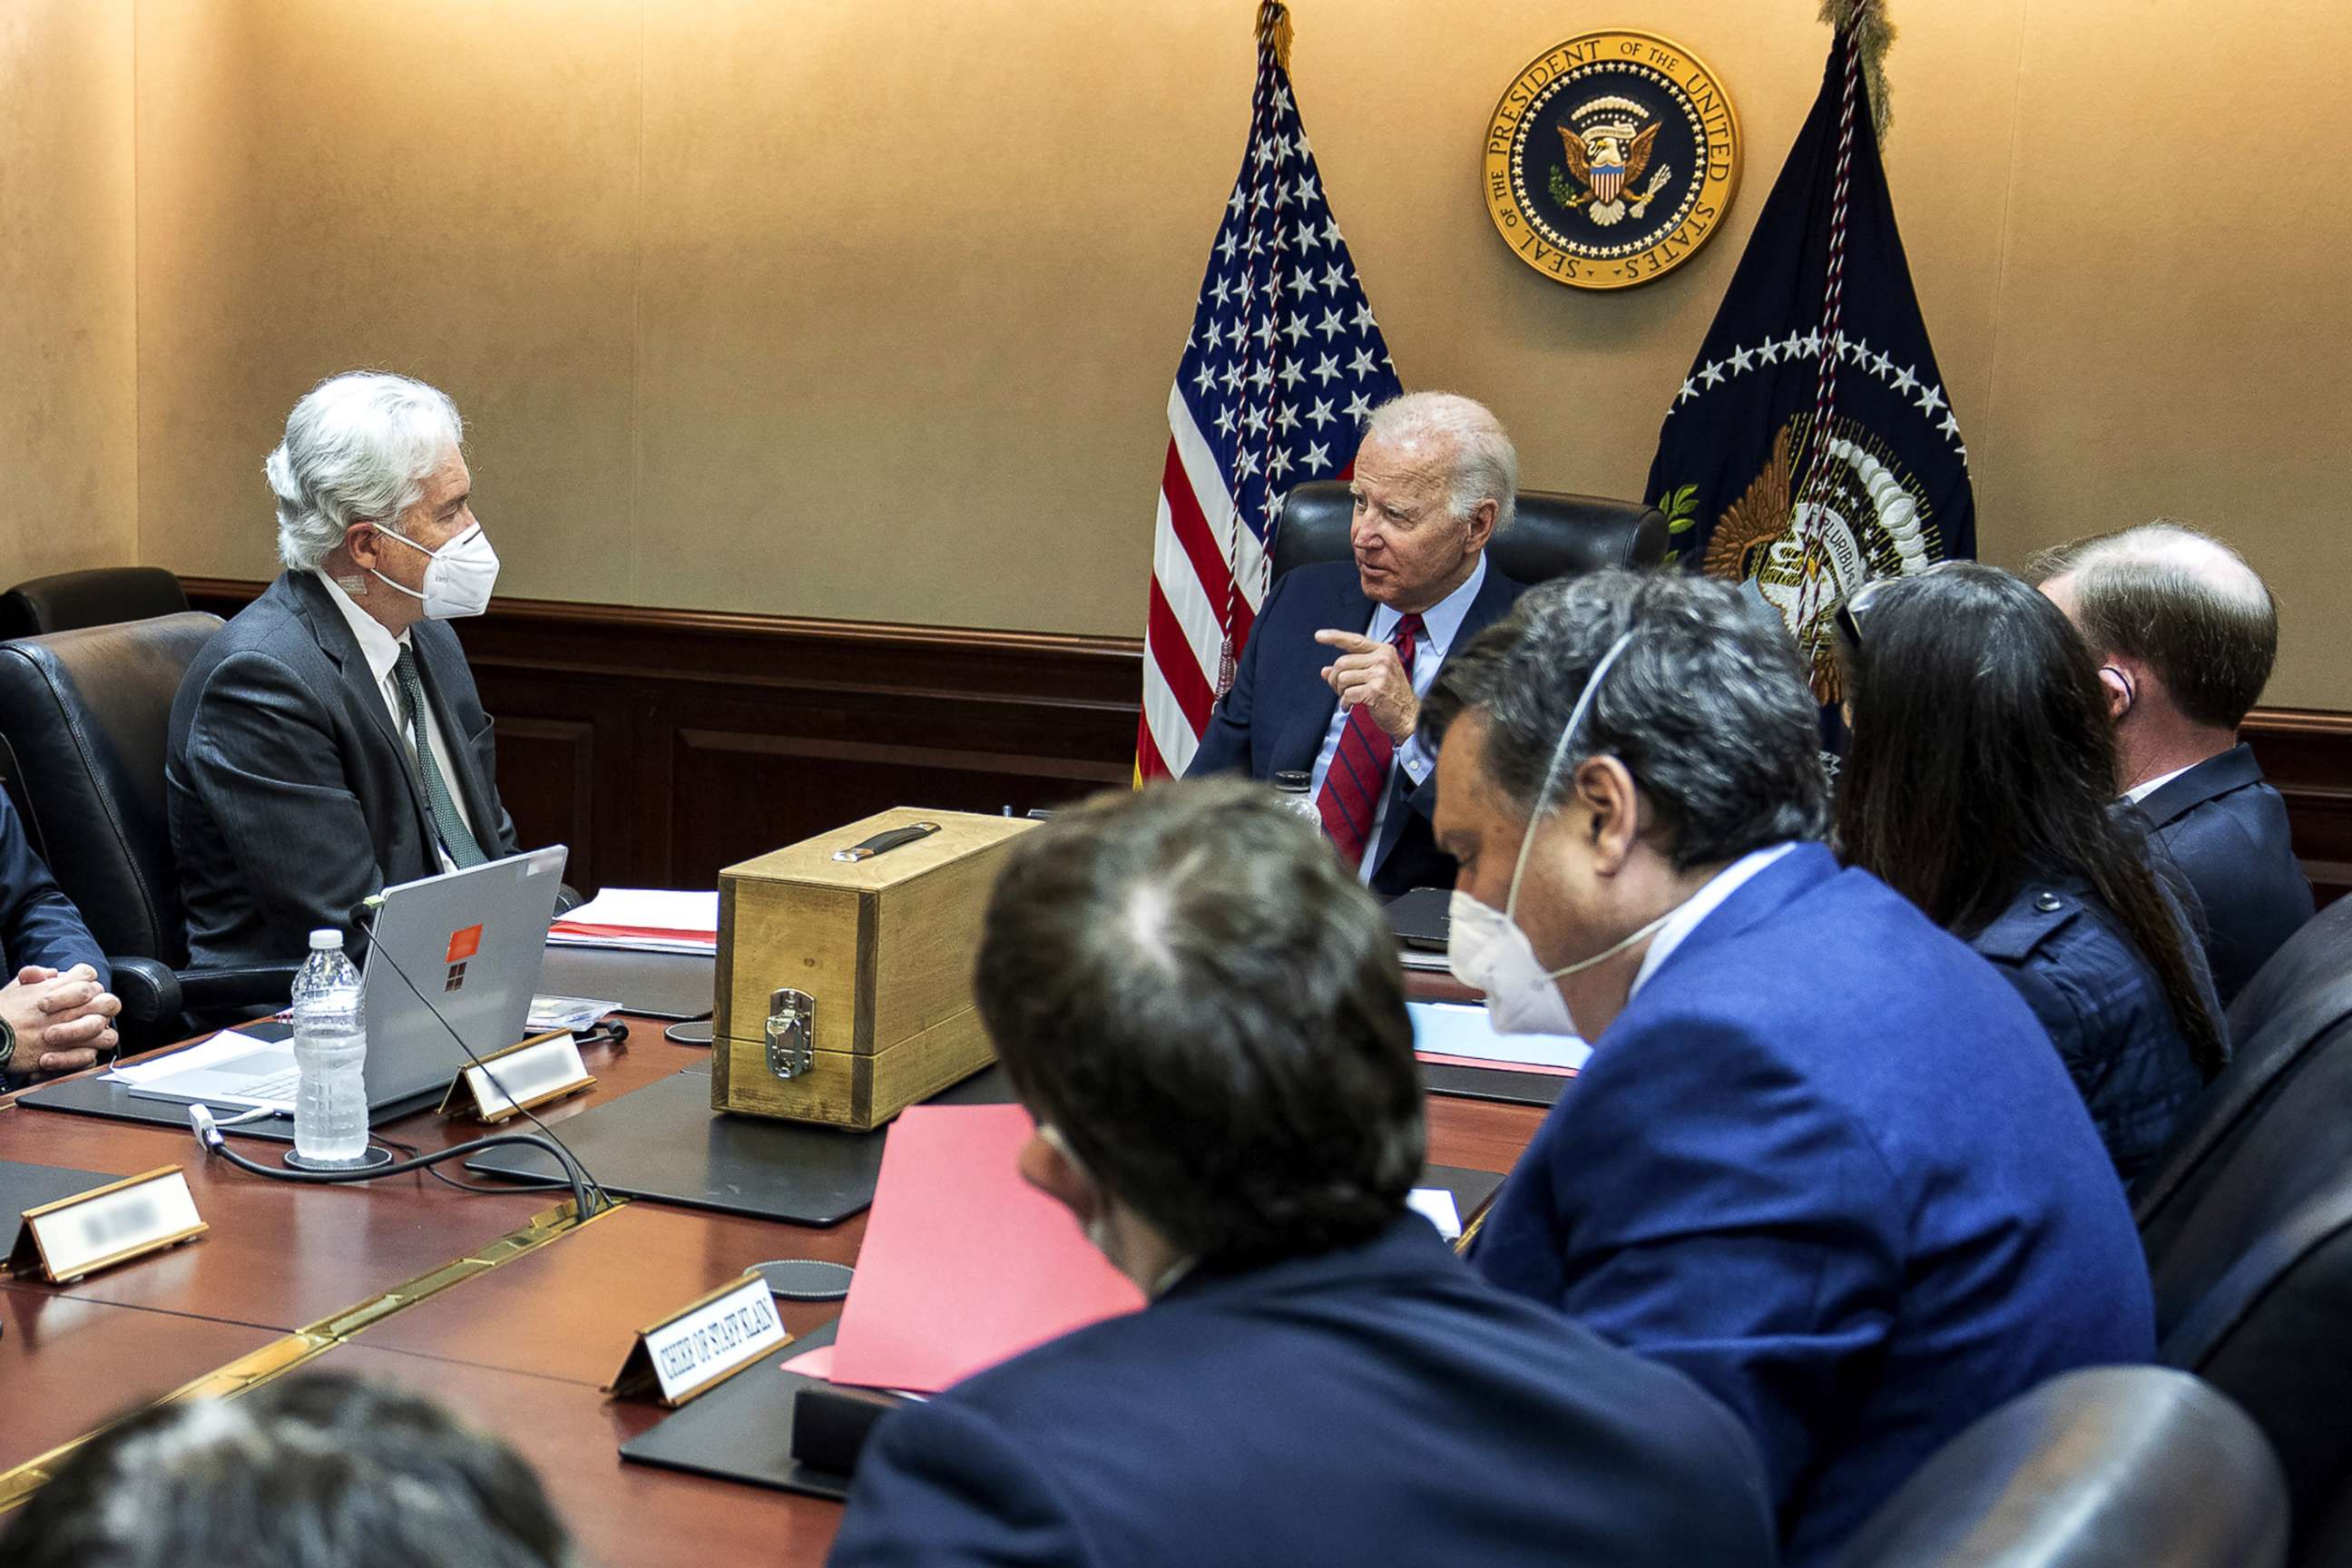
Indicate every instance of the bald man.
{"type": "Point", "coordinates": [2185, 633]}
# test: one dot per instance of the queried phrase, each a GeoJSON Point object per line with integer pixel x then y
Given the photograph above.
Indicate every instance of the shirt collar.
{"type": "Point", "coordinates": [1700, 905]}
{"type": "Point", "coordinates": [1440, 620]}
{"type": "Point", "coordinates": [377, 646]}
{"type": "Point", "coordinates": [2140, 791]}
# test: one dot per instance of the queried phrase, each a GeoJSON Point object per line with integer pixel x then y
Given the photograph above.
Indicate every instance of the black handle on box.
{"type": "Point", "coordinates": [883, 842]}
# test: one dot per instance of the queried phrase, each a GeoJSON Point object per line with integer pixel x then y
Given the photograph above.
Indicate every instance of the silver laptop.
{"type": "Point", "coordinates": [450, 972]}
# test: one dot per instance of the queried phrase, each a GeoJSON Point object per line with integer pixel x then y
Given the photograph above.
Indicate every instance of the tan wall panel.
{"type": "Point", "coordinates": [67, 408]}
{"type": "Point", "coordinates": [444, 188]}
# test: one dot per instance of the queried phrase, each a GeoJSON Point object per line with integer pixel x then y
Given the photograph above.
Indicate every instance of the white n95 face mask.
{"type": "Point", "coordinates": [458, 576]}
{"type": "Point", "coordinates": [1487, 949]}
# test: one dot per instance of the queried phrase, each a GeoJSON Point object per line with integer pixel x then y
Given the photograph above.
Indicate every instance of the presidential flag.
{"type": "Point", "coordinates": [1814, 446]}
{"type": "Point", "coordinates": [1284, 365]}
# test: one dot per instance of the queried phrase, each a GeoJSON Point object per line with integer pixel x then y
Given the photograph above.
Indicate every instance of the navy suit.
{"type": "Point", "coordinates": [2104, 1009]}
{"type": "Point", "coordinates": [1374, 1405]}
{"type": "Point", "coordinates": [2227, 831]}
{"type": "Point", "coordinates": [1274, 718]}
{"type": "Point", "coordinates": [1826, 1162]}
{"type": "Point", "coordinates": [39, 924]}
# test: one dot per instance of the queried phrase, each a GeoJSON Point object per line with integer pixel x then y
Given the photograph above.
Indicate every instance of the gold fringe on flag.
{"type": "Point", "coordinates": [1873, 35]}
{"type": "Point", "coordinates": [1274, 28]}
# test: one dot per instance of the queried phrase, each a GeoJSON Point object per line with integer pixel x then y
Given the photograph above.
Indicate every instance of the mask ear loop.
{"type": "Point", "coordinates": [1551, 773]}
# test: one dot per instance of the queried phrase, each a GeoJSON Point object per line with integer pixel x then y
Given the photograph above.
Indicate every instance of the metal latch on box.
{"type": "Point", "coordinates": [792, 1032]}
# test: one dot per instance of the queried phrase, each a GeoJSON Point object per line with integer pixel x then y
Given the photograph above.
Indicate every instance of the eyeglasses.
{"type": "Point", "coordinates": [1847, 617]}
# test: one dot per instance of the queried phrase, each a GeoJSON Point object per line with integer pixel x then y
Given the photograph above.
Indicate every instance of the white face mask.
{"type": "Point", "coordinates": [458, 576]}
{"type": "Point", "coordinates": [1486, 948]}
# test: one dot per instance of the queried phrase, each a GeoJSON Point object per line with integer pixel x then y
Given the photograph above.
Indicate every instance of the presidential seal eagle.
{"type": "Point", "coordinates": [1608, 160]}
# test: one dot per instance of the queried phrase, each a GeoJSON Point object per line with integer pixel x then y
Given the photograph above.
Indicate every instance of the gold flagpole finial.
{"type": "Point", "coordinates": [1873, 36]}
{"type": "Point", "coordinates": [1274, 30]}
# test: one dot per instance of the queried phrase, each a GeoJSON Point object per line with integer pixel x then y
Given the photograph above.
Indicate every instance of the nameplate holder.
{"type": "Point", "coordinates": [701, 1347]}
{"type": "Point", "coordinates": [519, 1079]}
{"type": "Point", "coordinates": [76, 1237]}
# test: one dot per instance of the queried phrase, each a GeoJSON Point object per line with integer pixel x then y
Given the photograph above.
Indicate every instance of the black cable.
{"type": "Point", "coordinates": [216, 1142]}
{"type": "Point", "coordinates": [570, 1161]}
{"type": "Point", "coordinates": [446, 1180]}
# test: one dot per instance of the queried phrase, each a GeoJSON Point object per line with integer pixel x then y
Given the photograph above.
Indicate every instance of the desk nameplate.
{"type": "Point", "coordinates": [701, 1345]}
{"type": "Point", "coordinates": [64, 1241]}
{"type": "Point", "coordinates": [520, 1078]}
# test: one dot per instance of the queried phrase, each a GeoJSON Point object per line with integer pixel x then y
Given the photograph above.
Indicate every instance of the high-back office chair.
{"type": "Point", "coordinates": [2115, 1467]}
{"type": "Point", "coordinates": [2274, 1333]}
{"type": "Point", "coordinates": [101, 596]}
{"type": "Point", "coordinates": [1554, 535]}
{"type": "Point", "coordinates": [2304, 1053]}
{"type": "Point", "coordinates": [84, 723]}
{"type": "Point", "coordinates": [2314, 957]}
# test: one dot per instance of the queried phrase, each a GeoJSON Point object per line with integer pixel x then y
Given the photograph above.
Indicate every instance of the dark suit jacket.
{"type": "Point", "coordinates": [1273, 719]}
{"type": "Point", "coordinates": [39, 924]}
{"type": "Point", "coordinates": [1377, 1405]}
{"type": "Point", "coordinates": [2104, 1009]}
{"type": "Point", "coordinates": [2227, 831]}
{"type": "Point", "coordinates": [1826, 1162]}
{"type": "Point", "coordinates": [292, 796]}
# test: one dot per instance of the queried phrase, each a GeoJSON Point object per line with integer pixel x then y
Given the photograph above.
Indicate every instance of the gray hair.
{"type": "Point", "coordinates": [2180, 602]}
{"type": "Point", "coordinates": [1707, 708]}
{"type": "Point", "coordinates": [358, 448]}
{"type": "Point", "coordinates": [1482, 464]}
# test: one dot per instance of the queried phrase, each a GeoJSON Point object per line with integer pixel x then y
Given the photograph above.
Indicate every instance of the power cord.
{"type": "Point", "coordinates": [208, 1133]}
{"type": "Point", "coordinates": [570, 1161]}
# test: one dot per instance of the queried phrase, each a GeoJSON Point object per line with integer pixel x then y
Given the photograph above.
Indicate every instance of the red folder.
{"type": "Point", "coordinates": [964, 1264]}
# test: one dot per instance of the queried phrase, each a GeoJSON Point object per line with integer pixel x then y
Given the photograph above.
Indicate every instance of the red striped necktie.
{"type": "Point", "coordinates": [1359, 775]}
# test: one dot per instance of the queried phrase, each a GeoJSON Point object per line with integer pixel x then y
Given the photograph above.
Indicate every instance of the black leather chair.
{"type": "Point", "coordinates": [2274, 1333]}
{"type": "Point", "coordinates": [2264, 1069]}
{"type": "Point", "coordinates": [2112, 1466]}
{"type": "Point", "coordinates": [2314, 957]}
{"type": "Point", "coordinates": [84, 722]}
{"type": "Point", "coordinates": [1554, 535]}
{"type": "Point", "coordinates": [101, 596]}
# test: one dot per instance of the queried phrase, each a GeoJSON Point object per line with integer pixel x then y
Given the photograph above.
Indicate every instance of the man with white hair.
{"type": "Point", "coordinates": [1331, 681]}
{"type": "Point", "coordinates": [2185, 633]}
{"type": "Point", "coordinates": [329, 741]}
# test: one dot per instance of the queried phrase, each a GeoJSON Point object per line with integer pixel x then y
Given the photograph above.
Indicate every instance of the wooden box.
{"type": "Point", "coordinates": [845, 987]}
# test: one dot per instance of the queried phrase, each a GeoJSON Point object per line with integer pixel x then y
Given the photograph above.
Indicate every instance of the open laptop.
{"type": "Point", "coordinates": [448, 977]}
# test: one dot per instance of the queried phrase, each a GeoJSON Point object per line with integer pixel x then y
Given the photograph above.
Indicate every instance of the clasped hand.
{"type": "Point", "coordinates": [1370, 675]}
{"type": "Point", "coordinates": [62, 1021]}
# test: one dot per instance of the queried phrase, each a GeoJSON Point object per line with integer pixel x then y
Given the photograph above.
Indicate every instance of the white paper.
{"type": "Point", "coordinates": [1451, 1029]}
{"type": "Point", "coordinates": [657, 909]}
{"type": "Point", "coordinates": [224, 1046]}
{"type": "Point", "coordinates": [577, 1014]}
{"type": "Point", "coordinates": [1436, 1206]}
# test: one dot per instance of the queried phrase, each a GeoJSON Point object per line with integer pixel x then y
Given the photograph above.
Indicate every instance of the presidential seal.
{"type": "Point", "coordinates": [1612, 158]}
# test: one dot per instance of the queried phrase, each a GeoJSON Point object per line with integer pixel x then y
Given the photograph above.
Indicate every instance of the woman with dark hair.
{"type": "Point", "coordinates": [1980, 785]}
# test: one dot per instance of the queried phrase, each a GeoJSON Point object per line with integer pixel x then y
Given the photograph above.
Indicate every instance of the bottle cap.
{"type": "Point", "coordinates": [1292, 782]}
{"type": "Point", "coordinates": [326, 939]}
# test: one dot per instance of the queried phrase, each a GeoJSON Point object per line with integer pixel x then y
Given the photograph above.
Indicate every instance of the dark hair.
{"type": "Point", "coordinates": [1193, 989]}
{"type": "Point", "coordinates": [2180, 602]}
{"type": "Point", "coordinates": [1707, 707]}
{"type": "Point", "coordinates": [318, 1471]}
{"type": "Point", "coordinates": [1983, 758]}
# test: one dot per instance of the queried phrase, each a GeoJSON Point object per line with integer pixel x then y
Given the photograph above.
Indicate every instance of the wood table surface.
{"type": "Point", "coordinates": [522, 1349]}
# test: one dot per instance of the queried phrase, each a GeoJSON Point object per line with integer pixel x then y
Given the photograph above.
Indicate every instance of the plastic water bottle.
{"type": "Point", "coordinates": [331, 1113]}
{"type": "Point", "coordinates": [1290, 789]}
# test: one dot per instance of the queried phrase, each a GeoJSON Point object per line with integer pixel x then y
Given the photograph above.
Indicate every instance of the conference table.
{"type": "Point", "coordinates": [497, 1303]}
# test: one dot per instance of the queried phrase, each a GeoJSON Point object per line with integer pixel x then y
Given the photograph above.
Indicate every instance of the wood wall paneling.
{"type": "Point", "coordinates": [663, 744]}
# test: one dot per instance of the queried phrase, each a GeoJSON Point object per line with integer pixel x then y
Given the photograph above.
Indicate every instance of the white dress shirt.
{"type": "Point", "coordinates": [1700, 905]}
{"type": "Point", "coordinates": [1440, 623]}
{"type": "Point", "coordinates": [382, 651]}
{"type": "Point", "coordinates": [2139, 792]}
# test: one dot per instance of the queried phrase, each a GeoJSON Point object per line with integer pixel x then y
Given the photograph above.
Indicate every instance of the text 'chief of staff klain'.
{"type": "Point", "coordinates": [1331, 681]}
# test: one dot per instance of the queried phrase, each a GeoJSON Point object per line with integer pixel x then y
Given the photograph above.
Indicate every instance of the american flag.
{"type": "Point", "coordinates": [1284, 365]}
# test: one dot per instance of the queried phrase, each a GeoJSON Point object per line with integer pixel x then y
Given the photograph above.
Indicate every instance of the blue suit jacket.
{"type": "Point", "coordinates": [2227, 831]}
{"type": "Point", "coordinates": [39, 924]}
{"type": "Point", "coordinates": [1826, 1162]}
{"type": "Point", "coordinates": [2104, 1007]}
{"type": "Point", "coordinates": [1273, 719]}
{"type": "Point", "coordinates": [1374, 1405]}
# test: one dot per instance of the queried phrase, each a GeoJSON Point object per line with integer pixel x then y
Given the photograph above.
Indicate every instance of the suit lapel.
{"type": "Point", "coordinates": [1490, 603]}
{"type": "Point", "coordinates": [2215, 776]}
{"type": "Point", "coordinates": [437, 651]}
{"type": "Point", "coordinates": [319, 610]}
{"type": "Point", "coordinates": [1310, 702]}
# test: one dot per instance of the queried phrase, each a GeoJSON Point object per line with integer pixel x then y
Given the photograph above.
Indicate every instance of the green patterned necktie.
{"type": "Point", "coordinates": [455, 835]}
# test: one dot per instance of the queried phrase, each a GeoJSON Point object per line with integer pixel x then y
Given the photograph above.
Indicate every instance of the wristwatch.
{"type": "Point", "coordinates": [7, 1044]}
